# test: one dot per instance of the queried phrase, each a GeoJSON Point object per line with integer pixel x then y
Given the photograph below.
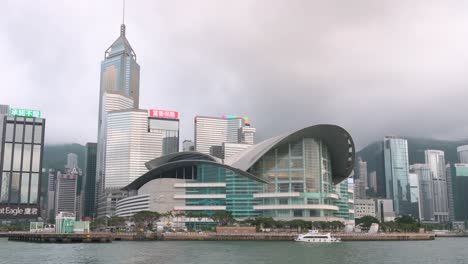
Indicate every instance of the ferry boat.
{"type": "Point", "coordinates": [313, 236]}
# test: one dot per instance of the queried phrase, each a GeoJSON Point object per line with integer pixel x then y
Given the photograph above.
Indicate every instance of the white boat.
{"type": "Point", "coordinates": [313, 236]}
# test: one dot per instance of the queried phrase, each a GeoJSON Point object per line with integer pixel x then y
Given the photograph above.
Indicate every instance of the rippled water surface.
{"type": "Point", "coordinates": [443, 250]}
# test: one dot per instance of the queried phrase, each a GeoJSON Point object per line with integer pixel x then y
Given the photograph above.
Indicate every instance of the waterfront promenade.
{"type": "Point", "coordinates": [106, 237]}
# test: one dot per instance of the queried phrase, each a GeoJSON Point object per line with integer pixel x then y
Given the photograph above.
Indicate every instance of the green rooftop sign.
{"type": "Point", "coordinates": [25, 112]}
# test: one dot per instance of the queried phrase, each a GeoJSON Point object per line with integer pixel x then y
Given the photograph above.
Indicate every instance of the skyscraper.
{"type": "Point", "coordinates": [165, 124]}
{"type": "Point", "coordinates": [463, 154]}
{"type": "Point", "coordinates": [89, 180]}
{"type": "Point", "coordinates": [66, 188]}
{"type": "Point", "coordinates": [131, 141]}
{"type": "Point", "coordinates": [396, 174]}
{"type": "Point", "coordinates": [119, 89]}
{"type": "Point", "coordinates": [72, 161]}
{"type": "Point", "coordinates": [426, 202]}
{"type": "Point", "coordinates": [21, 148]}
{"type": "Point", "coordinates": [414, 195]}
{"type": "Point", "coordinates": [212, 132]}
{"type": "Point", "coordinates": [436, 162]}
{"type": "Point", "coordinates": [460, 194]}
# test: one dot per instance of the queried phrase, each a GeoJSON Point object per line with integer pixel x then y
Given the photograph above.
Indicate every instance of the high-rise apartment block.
{"type": "Point", "coordinates": [436, 162]}
{"type": "Point", "coordinates": [212, 132]}
{"type": "Point", "coordinates": [21, 148]}
{"type": "Point", "coordinates": [397, 174]}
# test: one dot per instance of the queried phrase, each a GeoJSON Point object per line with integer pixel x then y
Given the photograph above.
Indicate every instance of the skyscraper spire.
{"type": "Point", "coordinates": [122, 27]}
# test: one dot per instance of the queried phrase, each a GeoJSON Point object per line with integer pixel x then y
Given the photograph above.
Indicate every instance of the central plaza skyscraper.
{"type": "Point", "coordinates": [119, 90]}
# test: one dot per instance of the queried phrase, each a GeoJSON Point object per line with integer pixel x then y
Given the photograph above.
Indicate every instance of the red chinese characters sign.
{"type": "Point", "coordinates": [164, 114]}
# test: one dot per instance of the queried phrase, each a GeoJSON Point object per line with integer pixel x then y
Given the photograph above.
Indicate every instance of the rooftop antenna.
{"type": "Point", "coordinates": [122, 27]}
{"type": "Point", "coordinates": [123, 12]}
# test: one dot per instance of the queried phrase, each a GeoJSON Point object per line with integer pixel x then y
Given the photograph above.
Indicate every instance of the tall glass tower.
{"type": "Point", "coordinates": [397, 174]}
{"type": "Point", "coordinates": [119, 90]}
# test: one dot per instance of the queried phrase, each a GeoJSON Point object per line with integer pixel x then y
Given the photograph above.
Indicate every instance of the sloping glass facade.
{"type": "Point", "coordinates": [299, 176]}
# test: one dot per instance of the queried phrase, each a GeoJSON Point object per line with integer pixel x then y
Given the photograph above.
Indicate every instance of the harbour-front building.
{"type": "Point", "coordinates": [301, 175]}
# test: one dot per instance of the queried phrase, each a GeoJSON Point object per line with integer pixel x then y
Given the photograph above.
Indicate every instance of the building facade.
{"type": "Point", "coordinates": [212, 132]}
{"type": "Point", "coordinates": [397, 174]}
{"type": "Point", "coordinates": [426, 203]}
{"type": "Point", "coordinates": [21, 149]}
{"type": "Point", "coordinates": [364, 207]}
{"type": "Point", "coordinates": [436, 162]}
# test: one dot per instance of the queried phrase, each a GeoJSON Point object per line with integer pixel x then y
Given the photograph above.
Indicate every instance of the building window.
{"type": "Point", "coordinates": [297, 213]}
{"type": "Point", "coordinates": [38, 134]}
{"type": "Point", "coordinates": [9, 132]}
{"type": "Point", "coordinates": [283, 201]}
{"type": "Point", "coordinates": [314, 213]}
{"type": "Point", "coordinates": [26, 157]}
{"type": "Point", "coordinates": [5, 187]}
{"type": "Point", "coordinates": [283, 187]}
{"type": "Point", "coordinates": [17, 157]}
{"type": "Point", "coordinates": [312, 201]}
{"type": "Point", "coordinates": [24, 187]}
{"type": "Point", "coordinates": [15, 188]}
{"type": "Point", "coordinates": [36, 158]}
{"type": "Point", "coordinates": [19, 133]}
{"type": "Point", "coordinates": [297, 187]}
{"type": "Point", "coordinates": [34, 188]}
{"type": "Point", "coordinates": [28, 129]}
{"type": "Point", "coordinates": [7, 156]}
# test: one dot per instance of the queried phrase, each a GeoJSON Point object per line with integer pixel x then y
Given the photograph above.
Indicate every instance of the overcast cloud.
{"type": "Point", "coordinates": [373, 67]}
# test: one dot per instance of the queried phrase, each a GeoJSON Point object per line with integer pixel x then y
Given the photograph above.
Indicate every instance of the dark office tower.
{"type": "Point", "coordinates": [21, 147]}
{"type": "Point", "coordinates": [89, 180]}
{"type": "Point", "coordinates": [460, 193]}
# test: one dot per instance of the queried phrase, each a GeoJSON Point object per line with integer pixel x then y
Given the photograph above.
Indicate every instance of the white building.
{"type": "Point", "coordinates": [188, 145]}
{"type": "Point", "coordinates": [212, 132]}
{"type": "Point", "coordinates": [72, 161]}
{"type": "Point", "coordinates": [364, 207]}
{"type": "Point", "coordinates": [129, 145]}
{"type": "Point", "coordinates": [436, 162]}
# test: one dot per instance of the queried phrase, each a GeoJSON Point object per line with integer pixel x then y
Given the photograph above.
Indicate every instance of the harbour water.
{"type": "Point", "coordinates": [441, 250]}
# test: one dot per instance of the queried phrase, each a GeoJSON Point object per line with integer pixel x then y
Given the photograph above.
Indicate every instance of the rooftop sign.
{"type": "Point", "coordinates": [167, 114]}
{"type": "Point", "coordinates": [246, 119]}
{"type": "Point", "coordinates": [25, 112]}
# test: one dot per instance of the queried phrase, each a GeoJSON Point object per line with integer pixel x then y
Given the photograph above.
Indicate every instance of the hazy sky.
{"type": "Point", "coordinates": [374, 67]}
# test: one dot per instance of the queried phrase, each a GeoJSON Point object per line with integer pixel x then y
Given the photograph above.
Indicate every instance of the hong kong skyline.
{"type": "Point", "coordinates": [376, 68]}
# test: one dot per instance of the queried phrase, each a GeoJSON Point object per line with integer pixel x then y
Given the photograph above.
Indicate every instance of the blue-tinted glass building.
{"type": "Point", "coordinates": [397, 174]}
